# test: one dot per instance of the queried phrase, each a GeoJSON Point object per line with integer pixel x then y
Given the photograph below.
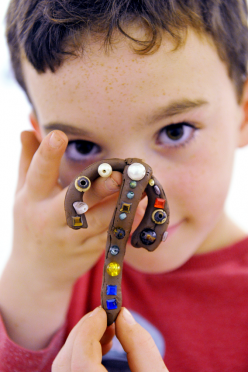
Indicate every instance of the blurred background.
{"type": "Point", "coordinates": [14, 110]}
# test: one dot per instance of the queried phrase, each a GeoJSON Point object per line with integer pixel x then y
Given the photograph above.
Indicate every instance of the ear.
{"type": "Point", "coordinates": [243, 136]}
{"type": "Point", "coordinates": [35, 124]}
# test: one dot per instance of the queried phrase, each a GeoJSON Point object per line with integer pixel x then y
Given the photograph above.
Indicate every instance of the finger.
{"type": "Point", "coordinates": [29, 146]}
{"type": "Point", "coordinates": [101, 188]}
{"type": "Point", "coordinates": [142, 353]}
{"type": "Point", "coordinates": [106, 340]}
{"type": "Point", "coordinates": [82, 351]}
{"type": "Point", "coordinates": [43, 172]}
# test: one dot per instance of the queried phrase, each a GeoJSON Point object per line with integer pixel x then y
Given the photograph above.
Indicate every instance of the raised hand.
{"type": "Point", "coordinates": [47, 257]}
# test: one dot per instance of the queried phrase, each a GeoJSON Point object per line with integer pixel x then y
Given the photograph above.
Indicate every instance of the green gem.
{"type": "Point", "coordinates": [133, 184]}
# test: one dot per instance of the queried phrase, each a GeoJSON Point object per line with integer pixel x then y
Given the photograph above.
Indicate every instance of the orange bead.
{"type": "Point", "coordinates": [159, 203]}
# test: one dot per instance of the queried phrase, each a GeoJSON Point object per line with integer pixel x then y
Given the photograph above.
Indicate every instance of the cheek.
{"type": "Point", "coordinates": [197, 189]}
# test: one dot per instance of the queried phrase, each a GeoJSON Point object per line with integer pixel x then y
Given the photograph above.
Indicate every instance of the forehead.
{"type": "Point", "coordinates": [100, 82]}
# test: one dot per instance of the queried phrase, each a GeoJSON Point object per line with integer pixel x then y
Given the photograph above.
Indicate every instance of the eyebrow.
{"type": "Point", "coordinates": [176, 108]}
{"type": "Point", "coordinates": [67, 129]}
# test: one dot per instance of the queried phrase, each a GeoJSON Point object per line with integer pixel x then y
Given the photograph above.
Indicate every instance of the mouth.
{"type": "Point", "coordinates": [173, 228]}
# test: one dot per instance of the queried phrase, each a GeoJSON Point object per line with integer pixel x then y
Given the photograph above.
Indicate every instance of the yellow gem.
{"type": "Point", "coordinates": [113, 269]}
{"type": "Point", "coordinates": [77, 221]}
{"type": "Point", "coordinates": [151, 182]}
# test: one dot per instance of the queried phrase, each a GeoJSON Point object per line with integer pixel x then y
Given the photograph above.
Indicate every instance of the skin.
{"type": "Point", "coordinates": [82, 350]}
{"type": "Point", "coordinates": [114, 98]}
{"type": "Point", "coordinates": [122, 102]}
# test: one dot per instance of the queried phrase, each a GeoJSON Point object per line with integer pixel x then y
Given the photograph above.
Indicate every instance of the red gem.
{"type": "Point", "coordinates": [159, 203]}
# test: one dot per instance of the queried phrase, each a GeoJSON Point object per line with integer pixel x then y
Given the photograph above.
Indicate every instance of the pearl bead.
{"type": "Point", "coordinates": [104, 170]}
{"type": "Point", "coordinates": [136, 171]}
{"type": "Point", "coordinates": [80, 207]}
{"type": "Point", "coordinates": [151, 182]}
{"type": "Point", "coordinates": [123, 216]}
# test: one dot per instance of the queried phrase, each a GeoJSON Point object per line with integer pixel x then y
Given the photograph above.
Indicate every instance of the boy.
{"type": "Point", "coordinates": [162, 81]}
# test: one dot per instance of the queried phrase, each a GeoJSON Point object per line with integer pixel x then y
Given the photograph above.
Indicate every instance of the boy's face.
{"type": "Point", "coordinates": [177, 110]}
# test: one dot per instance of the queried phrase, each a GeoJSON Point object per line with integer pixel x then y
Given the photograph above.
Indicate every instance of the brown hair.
{"type": "Point", "coordinates": [47, 31]}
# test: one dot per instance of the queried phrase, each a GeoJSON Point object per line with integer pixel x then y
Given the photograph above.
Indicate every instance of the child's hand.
{"type": "Point", "coordinates": [88, 341]}
{"type": "Point", "coordinates": [41, 233]}
{"type": "Point", "coordinates": [47, 256]}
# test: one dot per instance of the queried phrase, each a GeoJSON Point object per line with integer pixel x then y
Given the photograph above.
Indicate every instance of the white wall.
{"type": "Point", "coordinates": [14, 110]}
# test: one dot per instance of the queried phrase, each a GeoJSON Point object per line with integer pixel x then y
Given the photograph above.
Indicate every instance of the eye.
{"type": "Point", "coordinates": [80, 150]}
{"type": "Point", "coordinates": [176, 134]}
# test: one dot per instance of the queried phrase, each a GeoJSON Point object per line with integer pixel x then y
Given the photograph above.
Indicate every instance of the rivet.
{"type": "Point", "coordinates": [114, 250]}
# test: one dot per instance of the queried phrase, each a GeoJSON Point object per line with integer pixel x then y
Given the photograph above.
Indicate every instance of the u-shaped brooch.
{"type": "Point", "coordinates": [137, 178]}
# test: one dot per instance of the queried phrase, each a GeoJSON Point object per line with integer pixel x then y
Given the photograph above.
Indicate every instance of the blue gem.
{"type": "Point", "coordinates": [148, 236]}
{"type": "Point", "coordinates": [130, 195]}
{"type": "Point", "coordinates": [119, 233]}
{"type": "Point", "coordinates": [114, 250]}
{"type": "Point", "coordinates": [123, 216]}
{"type": "Point", "coordinates": [112, 290]}
{"type": "Point", "coordinates": [111, 304]}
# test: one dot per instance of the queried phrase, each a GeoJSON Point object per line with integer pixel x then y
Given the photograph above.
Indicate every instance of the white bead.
{"type": "Point", "coordinates": [80, 207]}
{"type": "Point", "coordinates": [164, 237]}
{"type": "Point", "coordinates": [104, 170]}
{"type": "Point", "coordinates": [136, 171]}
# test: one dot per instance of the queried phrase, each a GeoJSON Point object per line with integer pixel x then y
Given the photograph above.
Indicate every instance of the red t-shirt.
{"type": "Point", "coordinates": [197, 315]}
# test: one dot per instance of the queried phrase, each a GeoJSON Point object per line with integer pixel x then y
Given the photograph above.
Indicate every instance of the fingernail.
{"type": "Point", "coordinates": [55, 141]}
{"type": "Point", "coordinates": [128, 317]}
{"type": "Point", "coordinates": [111, 184]}
{"type": "Point", "coordinates": [94, 312]}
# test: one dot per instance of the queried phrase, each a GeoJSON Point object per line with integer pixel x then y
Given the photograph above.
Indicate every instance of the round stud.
{"type": "Point", "coordinates": [130, 195]}
{"type": "Point", "coordinates": [104, 170]}
{"type": "Point", "coordinates": [136, 171]}
{"type": "Point", "coordinates": [133, 184]}
{"type": "Point", "coordinates": [82, 184]}
{"type": "Point", "coordinates": [114, 250]}
{"type": "Point", "coordinates": [148, 236]}
{"type": "Point", "coordinates": [151, 182]}
{"type": "Point", "coordinates": [159, 216]}
{"type": "Point", "coordinates": [80, 207]}
{"type": "Point", "coordinates": [113, 269]}
{"type": "Point", "coordinates": [122, 216]}
{"type": "Point", "coordinates": [119, 233]}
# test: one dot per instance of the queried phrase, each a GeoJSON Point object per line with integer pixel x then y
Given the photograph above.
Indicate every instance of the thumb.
{"type": "Point", "coordinates": [142, 353]}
